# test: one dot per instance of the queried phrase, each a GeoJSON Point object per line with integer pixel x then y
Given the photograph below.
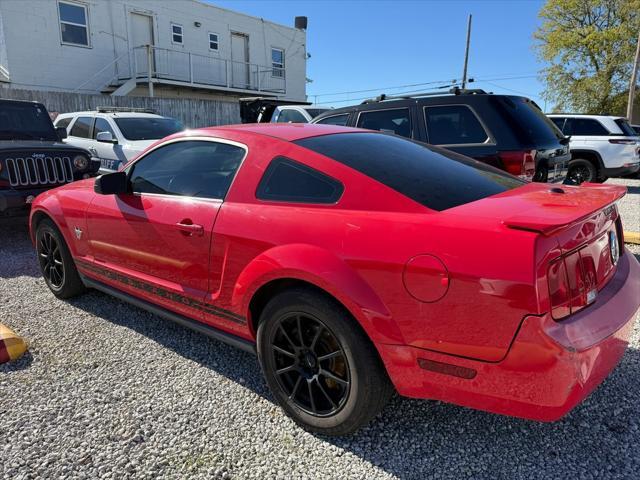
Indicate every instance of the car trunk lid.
{"type": "Point", "coordinates": [585, 224]}
{"type": "Point", "coordinates": [578, 226]}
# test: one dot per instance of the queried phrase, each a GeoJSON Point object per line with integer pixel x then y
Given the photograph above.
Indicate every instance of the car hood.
{"type": "Point", "coordinates": [35, 144]}
{"type": "Point", "coordinates": [139, 145]}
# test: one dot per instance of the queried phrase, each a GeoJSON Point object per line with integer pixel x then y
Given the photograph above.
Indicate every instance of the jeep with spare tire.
{"type": "Point", "coordinates": [33, 158]}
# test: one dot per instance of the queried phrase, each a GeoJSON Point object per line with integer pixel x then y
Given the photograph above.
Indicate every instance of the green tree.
{"type": "Point", "coordinates": [589, 46]}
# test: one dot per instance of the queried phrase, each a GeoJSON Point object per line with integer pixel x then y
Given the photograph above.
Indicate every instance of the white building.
{"type": "Point", "coordinates": [185, 47]}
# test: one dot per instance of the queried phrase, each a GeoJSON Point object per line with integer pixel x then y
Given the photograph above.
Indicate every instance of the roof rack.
{"type": "Point", "coordinates": [452, 91]}
{"type": "Point", "coordinates": [110, 109]}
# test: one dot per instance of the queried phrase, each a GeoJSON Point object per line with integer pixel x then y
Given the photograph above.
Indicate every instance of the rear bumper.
{"type": "Point", "coordinates": [627, 169]}
{"type": "Point", "coordinates": [549, 369]}
{"type": "Point", "coordinates": [557, 169]}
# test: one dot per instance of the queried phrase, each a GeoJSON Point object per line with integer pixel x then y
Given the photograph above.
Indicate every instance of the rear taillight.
{"type": "Point", "coordinates": [521, 163]}
{"type": "Point", "coordinates": [573, 284]}
{"type": "Point", "coordinates": [559, 292]}
{"type": "Point", "coordinates": [622, 141]}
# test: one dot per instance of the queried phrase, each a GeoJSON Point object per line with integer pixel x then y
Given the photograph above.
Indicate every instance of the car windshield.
{"type": "Point", "coordinates": [626, 128]}
{"type": "Point", "coordinates": [25, 121]}
{"type": "Point", "coordinates": [147, 128]}
{"type": "Point", "coordinates": [432, 176]}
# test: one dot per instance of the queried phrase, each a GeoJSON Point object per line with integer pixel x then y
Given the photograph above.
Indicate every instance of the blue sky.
{"type": "Point", "coordinates": [360, 45]}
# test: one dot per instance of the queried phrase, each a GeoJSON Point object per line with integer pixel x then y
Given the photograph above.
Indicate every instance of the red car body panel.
{"type": "Point", "coordinates": [464, 291]}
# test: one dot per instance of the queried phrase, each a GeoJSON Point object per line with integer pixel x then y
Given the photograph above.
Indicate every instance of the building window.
{"type": "Point", "coordinates": [176, 34]}
{"type": "Point", "coordinates": [73, 23]}
{"type": "Point", "coordinates": [277, 62]}
{"type": "Point", "coordinates": [213, 42]}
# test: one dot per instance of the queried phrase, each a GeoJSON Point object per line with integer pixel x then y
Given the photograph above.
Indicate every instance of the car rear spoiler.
{"type": "Point", "coordinates": [565, 214]}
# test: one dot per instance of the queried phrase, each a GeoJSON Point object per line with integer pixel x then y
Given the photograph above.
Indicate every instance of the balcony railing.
{"type": "Point", "coordinates": [175, 66]}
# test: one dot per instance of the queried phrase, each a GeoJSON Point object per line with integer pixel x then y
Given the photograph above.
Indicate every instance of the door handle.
{"type": "Point", "coordinates": [190, 229]}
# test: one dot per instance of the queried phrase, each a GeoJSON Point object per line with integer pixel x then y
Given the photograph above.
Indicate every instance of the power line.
{"type": "Point", "coordinates": [381, 88]}
{"type": "Point", "coordinates": [503, 76]}
{"type": "Point", "coordinates": [368, 96]}
{"type": "Point", "coordinates": [507, 89]}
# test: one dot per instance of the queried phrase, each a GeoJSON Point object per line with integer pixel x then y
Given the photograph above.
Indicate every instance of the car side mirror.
{"type": "Point", "coordinates": [111, 184]}
{"type": "Point", "coordinates": [106, 137]}
{"type": "Point", "coordinates": [62, 132]}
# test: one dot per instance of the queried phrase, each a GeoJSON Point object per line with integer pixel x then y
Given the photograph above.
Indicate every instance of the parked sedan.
{"type": "Point", "coordinates": [343, 258]}
{"type": "Point", "coordinates": [116, 135]}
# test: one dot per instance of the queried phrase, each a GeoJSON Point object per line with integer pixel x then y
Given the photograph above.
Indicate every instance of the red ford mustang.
{"type": "Point", "coordinates": [357, 264]}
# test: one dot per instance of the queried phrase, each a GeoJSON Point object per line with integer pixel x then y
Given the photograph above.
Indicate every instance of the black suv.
{"type": "Point", "coordinates": [508, 132]}
{"type": "Point", "coordinates": [33, 158]}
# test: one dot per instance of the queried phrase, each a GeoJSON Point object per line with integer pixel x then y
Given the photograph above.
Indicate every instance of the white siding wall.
{"type": "Point", "coordinates": [36, 58]}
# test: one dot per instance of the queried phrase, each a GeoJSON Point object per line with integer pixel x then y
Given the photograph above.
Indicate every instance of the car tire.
{"type": "Point", "coordinates": [56, 264]}
{"type": "Point", "coordinates": [581, 170]}
{"type": "Point", "coordinates": [323, 391]}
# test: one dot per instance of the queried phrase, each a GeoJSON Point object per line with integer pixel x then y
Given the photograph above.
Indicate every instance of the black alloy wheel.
{"type": "Point", "coordinates": [56, 263]}
{"type": "Point", "coordinates": [320, 365]}
{"type": "Point", "coordinates": [50, 257]}
{"type": "Point", "coordinates": [311, 365]}
{"type": "Point", "coordinates": [581, 171]}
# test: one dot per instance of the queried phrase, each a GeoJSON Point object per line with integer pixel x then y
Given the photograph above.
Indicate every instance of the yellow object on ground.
{"type": "Point", "coordinates": [632, 237]}
{"type": "Point", "coordinates": [12, 346]}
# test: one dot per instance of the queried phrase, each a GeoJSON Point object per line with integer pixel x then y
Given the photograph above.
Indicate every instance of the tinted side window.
{"type": "Point", "coordinates": [585, 126]}
{"type": "Point", "coordinates": [289, 181]}
{"type": "Point", "coordinates": [190, 168]}
{"type": "Point", "coordinates": [63, 122]}
{"type": "Point", "coordinates": [340, 120]}
{"type": "Point", "coordinates": [82, 127]}
{"type": "Point", "coordinates": [435, 177]}
{"type": "Point", "coordinates": [102, 126]}
{"type": "Point", "coordinates": [526, 119]}
{"type": "Point", "coordinates": [453, 125]}
{"type": "Point", "coordinates": [291, 116]}
{"type": "Point", "coordinates": [625, 127]}
{"type": "Point", "coordinates": [559, 122]}
{"type": "Point", "coordinates": [395, 120]}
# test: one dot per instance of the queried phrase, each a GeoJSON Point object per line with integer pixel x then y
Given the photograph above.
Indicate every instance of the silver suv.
{"type": "Point", "coordinates": [601, 146]}
{"type": "Point", "coordinates": [115, 135]}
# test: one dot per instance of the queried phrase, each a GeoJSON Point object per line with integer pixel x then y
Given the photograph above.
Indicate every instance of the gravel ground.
{"type": "Point", "coordinates": [629, 207]}
{"type": "Point", "coordinates": [110, 391]}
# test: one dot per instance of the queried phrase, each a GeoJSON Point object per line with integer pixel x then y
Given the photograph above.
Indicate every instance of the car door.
{"type": "Point", "coordinates": [154, 241]}
{"type": "Point", "coordinates": [586, 131]}
{"type": "Point", "coordinates": [110, 153]}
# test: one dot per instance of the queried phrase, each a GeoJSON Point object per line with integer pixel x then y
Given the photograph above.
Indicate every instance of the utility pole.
{"type": "Point", "coordinates": [466, 54]}
{"type": "Point", "coordinates": [632, 83]}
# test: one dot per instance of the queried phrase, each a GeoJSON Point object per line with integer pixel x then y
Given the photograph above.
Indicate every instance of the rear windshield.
{"type": "Point", "coordinates": [625, 127]}
{"type": "Point", "coordinates": [25, 121]}
{"type": "Point", "coordinates": [433, 177]}
{"type": "Point", "coordinates": [146, 128]}
{"type": "Point", "coordinates": [529, 122]}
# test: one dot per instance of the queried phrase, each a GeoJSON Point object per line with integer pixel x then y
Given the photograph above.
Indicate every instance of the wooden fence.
{"type": "Point", "coordinates": [194, 113]}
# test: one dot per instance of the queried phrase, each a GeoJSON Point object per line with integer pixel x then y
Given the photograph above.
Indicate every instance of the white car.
{"type": "Point", "coordinates": [601, 146]}
{"type": "Point", "coordinates": [115, 135]}
{"type": "Point", "coordinates": [296, 113]}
